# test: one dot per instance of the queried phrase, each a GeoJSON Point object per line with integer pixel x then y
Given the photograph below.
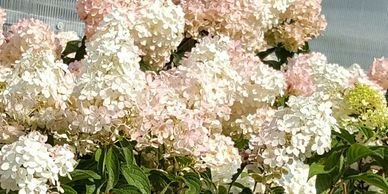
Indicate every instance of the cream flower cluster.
{"type": "Point", "coordinates": [31, 166]}
{"type": "Point", "coordinates": [105, 96]}
{"type": "Point", "coordinates": [158, 30]}
{"type": "Point", "coordinates": [220, 155]}
{"type": "Point", "coordinates": [157, 27]}
{"type": "Point", "coordinates": [300, 23]}
{"type": "Point", "coordinates": [296, 179]}
{"type": "Point", "coordinates": [209, 67]}
{"type": "Point", "coordinates": [244, 20]}
{"type": "Point", "coordinates": [331, 79]}
{"type": "Point", "coordinates": [38, 88]}
{"type": "Point", "coordinates": [92, 12]}
{"type": "Point", "coordinates": [2, 21]}
{"type": "Point", "coordinates": [296, 131]}
{"type": "Point", "coordinates": [23, 35]}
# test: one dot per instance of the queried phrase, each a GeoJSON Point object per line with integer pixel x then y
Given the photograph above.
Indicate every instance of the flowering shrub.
{"type": "Point", "coordinates": [210, 96]}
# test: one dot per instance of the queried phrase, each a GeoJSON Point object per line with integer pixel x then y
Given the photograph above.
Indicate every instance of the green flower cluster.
{"type": "Point", "coordinates": [368, 105]}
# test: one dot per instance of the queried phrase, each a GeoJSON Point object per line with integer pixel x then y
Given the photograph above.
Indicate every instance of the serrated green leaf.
{"type": "Point", "coordinates": [323, 182]}
{"type": "Point", "coordinates": [68, 190]}
{"type": "Point", "coordinates": [368, 132]}
{"type": "Point", "coordinates": [222, 190]}
{"type": "Point", "coordinates": [372, 179]}
{"type": "Point", "coordinates": [191, 179]}
{"type": "Point", "coordinates": [246, 191]}
{"type": "Point", "coordinates": [160, 179]}
{"type": "Point", "coordinates": [90, 189]}
{"type": "Point", "coordinates": [136, 177]}
{"type": "Point", "coordinates": [316, 169]}
{"type": "Point", "coordinates": [71, 47]}
{"type": "Point", "coordinates": [356, 152]}
{"type": "Point", "coordinates": [277, 190]}
{"type": "Point", "coordinates": [128, 155]}
{"type": "Point", "coordinates": [79, 174]}
{"type": "Point", "coordinates": [112, 168]}
{"type": "Point", "coordinates": [345, 135]}
{"type": "Point", "coordinates": [126, 190]}
{"type": "Point", "coordinates": [99, 157]}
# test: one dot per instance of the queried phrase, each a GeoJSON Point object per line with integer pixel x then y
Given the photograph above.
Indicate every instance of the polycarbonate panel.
{"type": "Point", "coordinates": [61, 15]}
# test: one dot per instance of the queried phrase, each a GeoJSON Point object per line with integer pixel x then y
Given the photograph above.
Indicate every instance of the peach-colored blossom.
{"type": "Point", "coordinates": [92, 12]}
{"type": "Point", "coordinates": [2, 21]}
{"type": "Point", "coordinates": [244, 20]}
{"type": "Point", "coordinates": [300, 23]}
{"type": "Point", "coordinates": [299, 80]}
{"type": "Point", "coordinates": [378, 72]}
{"type": "Point", "coordinates": [23, 35]}
{"type": "Point", "coordinates": [77, 68]}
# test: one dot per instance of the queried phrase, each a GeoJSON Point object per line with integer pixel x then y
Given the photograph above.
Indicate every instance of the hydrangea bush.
{"type": "Point", "coordinates": [209, 96]}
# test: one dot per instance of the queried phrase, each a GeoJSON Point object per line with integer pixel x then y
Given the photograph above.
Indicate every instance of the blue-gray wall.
{"type": "Point", "coordinates": [357, 31]}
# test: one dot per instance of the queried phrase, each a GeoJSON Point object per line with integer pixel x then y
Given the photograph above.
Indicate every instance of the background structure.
{"type": "Point", "coordinates": [61, 15]}
{"type": "Point", "coordinates": [357, 31]}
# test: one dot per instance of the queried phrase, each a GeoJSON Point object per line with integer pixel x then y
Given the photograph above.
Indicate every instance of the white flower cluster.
{"type": "Point", "coordinates": [31, 166]}
{"type": "Point", "coordinates": [220, 155]}
{"type": "Point", "coordinates": [331, 79]}
{"type": "Point", "coordinates": [157, 30]}
{"type": "Point", "coordinates": [296, 180]}
{"type": "Point", "coordinates": [209, 68]}
{"type": "Point", "coordinates": [106, 95]}
{"type": "Point", "coordinates": [271, 10]}
{"type": "Point", "coordinates": [38, 88]}
{"type": "Point", "coordinates": [297, 131]}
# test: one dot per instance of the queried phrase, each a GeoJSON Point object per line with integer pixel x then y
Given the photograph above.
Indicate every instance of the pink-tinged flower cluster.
{"type": "Point", "coordinates": [166, 118]}
{"type": "Point", "coordinates": [299, 80]}
{"type": "Point", "coordinates": [243, 20]}
{"type": "Point", "coordinates": [378, 72]}
{"type": "Point", "coordinates": [156, 26]}
{"type": "Point", "coordinates": [77, 68]}
{"type": "Point", "coordinates": [300, 23]}
{"type": "Point", "coordinates": [23, 35]}
{"type": "Point", "coordinates": [2, 21]}
{"type": "Point", "coordinates": [92, 12]}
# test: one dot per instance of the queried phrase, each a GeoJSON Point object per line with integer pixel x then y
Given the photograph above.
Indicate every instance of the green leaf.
{"type": "Point", "coordinates": [192, 180]}
{"type": "Point", "coordinates": [71, 47]}
{"type": "Point", "coordinates": [136, 177]}
{"type": "Point", "coordinates": [242, 143]}
{"type": "Point", "coordinates": [126, 190]}
{"type": "Point", "coordinates": [316, 169]}
{"type": "Point", "coordinates": [323, 182]}
{"type": "Point", "coordinates": [345, 135]}
{"type": "Point", "coordinates": [368, 132]}
{"type": "Point", "coordinates": [372, 179]}
{"type": "Point", "coordinates": [274, 64]}
{"type": "Point", "coordinates": [266, 53]}
{"type": "Point", "coordinates": [99, 157]}
{"type": "Point", "coordinates": [112, 168]}
{"type": "Point", "coordinates": [68, 189]}
{"type": "Point", "coordinates": [356, 152]}
{"type": "Point", "coordinates": [277, 190]}
{"type": "Point", "coordinates": [222, 190]}
{"type": "Point", "coordinates": [90, 189]}
{"type": "Point", "coordinates": [128, 155]}
{"type": "Point", "coordinates": [159, 179]}
{"type": "Point", "coordinates": [246, 191]}
{"type": "Point", "coordinates": [79, 174]}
